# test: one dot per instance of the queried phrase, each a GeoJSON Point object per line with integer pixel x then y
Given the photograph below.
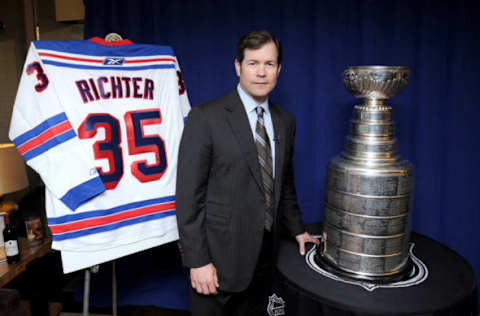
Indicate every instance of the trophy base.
{"type": "Point", "coordinates": [405, 274]}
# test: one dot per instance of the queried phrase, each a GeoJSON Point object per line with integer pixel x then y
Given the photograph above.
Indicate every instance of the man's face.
{"type": "Point", "coordinates": [259, 71]}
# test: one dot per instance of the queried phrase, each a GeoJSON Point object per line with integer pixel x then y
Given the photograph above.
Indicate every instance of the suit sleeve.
{"type": "Point", "coordinates": [290, 211]}
{"type": "Point", "coordinates": [192, 176]}
{"type": "Point", "coordinates": [42, 132]}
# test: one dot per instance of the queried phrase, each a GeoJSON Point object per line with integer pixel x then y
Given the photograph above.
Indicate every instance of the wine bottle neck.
{"type": "Point", "coordinates": [7, 219]}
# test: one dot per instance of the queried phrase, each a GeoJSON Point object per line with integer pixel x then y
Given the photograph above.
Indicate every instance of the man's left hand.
{"type": "Point", "coordinates": [304, 238]}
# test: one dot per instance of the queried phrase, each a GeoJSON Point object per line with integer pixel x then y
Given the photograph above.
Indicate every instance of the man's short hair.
{"type": "Point", "coordinates": [255, 40]}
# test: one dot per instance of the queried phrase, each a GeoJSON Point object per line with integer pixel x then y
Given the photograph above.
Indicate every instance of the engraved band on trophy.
{"type": "Point", "coordinates": [367, 195]}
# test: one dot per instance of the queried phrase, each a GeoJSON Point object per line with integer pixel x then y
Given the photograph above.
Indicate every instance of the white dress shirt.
{"type": "Point", "coordinates": [250, 106]}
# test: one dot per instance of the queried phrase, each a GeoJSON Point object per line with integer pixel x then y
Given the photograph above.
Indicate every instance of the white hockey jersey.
{"type": "Point", "coordinates": [101, 123]}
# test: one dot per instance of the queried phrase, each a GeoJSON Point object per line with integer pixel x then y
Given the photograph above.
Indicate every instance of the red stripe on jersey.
{"type": "Point", "coordinates": [94, 222]}
{"type": "Point", "coordinates": [43, 137]}
{"type": "Point", "coordinates": [72, 58]}
{"type": "Point", "coordinates": [148, 60]}
{"type": "Point", "coordinates": [99, 61]}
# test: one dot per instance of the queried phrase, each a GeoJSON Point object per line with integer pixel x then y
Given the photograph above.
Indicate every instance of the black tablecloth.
{"type": "Point", "coordinates": [450, 289]}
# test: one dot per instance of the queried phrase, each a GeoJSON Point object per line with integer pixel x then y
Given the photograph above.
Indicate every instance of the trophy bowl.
{"type": "Point", "coordinates": [375, 83]}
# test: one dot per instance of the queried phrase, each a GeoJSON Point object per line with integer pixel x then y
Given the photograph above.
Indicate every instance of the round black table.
{"type": "Point", "coordinates": [450, 289]}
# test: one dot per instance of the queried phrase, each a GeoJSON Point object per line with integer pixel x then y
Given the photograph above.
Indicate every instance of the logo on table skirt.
{"type": "Point", "coordinates": [276, 305]}
{"type": "Point", "coordinates": [113, 61]}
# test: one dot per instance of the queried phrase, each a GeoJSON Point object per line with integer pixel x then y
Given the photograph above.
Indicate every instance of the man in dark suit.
{"type": "Point", "coordinates": [235, 187]}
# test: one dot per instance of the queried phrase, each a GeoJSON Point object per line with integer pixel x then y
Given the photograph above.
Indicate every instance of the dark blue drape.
{"type": "Point", "coordinates": [437, 116]}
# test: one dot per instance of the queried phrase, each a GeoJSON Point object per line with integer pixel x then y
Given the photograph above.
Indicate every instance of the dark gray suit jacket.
{"type": "Point", "coordinates": [219, 195]}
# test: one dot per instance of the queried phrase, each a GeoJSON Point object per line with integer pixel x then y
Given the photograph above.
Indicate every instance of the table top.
{"type": "Point", "coordinates": [28, 253]}
{"type": "Point", "coordinates": [450, 280]}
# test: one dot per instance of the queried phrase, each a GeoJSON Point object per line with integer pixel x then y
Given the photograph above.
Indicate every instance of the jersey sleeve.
{"type": "Point", "coordinates": [182, 91]}
{"type": "Point", "coordinates": [42, 132]}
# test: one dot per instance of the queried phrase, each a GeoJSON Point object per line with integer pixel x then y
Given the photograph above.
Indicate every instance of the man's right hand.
{"type": "Point", "coordinates": [204, 279]}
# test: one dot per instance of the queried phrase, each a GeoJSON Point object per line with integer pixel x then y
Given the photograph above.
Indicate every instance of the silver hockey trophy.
{"type": "Point", "coordinates": [367, 198]}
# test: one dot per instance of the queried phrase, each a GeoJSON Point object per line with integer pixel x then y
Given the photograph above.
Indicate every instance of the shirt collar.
{"type": "Point", "coordinates": [249, 103]}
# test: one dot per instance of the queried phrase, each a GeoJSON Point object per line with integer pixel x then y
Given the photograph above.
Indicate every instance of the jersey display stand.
{"type": "Point", "coordinates": [86, 289]}
{"type": "Point", "coordinates": [110, 37]}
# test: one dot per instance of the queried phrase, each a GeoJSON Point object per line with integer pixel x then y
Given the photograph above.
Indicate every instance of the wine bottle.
{"type": "Point", "coordinates": [10, 238]}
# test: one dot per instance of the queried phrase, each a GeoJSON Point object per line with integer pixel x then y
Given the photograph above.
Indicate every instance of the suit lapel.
{"type": "Point", "coordinates": [238, 120]}
{"type": "Point", "coordinates": [280, 138]}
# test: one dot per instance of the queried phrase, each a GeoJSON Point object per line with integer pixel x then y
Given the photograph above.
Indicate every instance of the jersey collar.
{"type": "Point", "coordinates": [101, 41]}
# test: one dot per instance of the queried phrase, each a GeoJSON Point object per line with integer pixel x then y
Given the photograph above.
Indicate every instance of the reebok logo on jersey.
{"type": "Point", "coordinates": [114, 61]}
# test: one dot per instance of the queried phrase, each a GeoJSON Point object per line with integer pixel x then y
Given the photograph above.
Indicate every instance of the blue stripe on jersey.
{"type": "Point", "coordinates": [83, 192]}
{"type": "Point", "coordinates": [56, 63]}
{"type": "Point", "coordinates": [39, 129]}
{"type": "Point", "coordinates": [100, 229]}
{"type": "Point", "coordinates": [98, 213]}
{"type": "Point", "coordinates": [89, 48]}
{"type": "Point", "coordinates": [55, 141]}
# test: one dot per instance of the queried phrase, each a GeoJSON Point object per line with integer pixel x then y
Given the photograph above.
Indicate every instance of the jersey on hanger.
{"type": "Point", "coordinates": [101, 123]}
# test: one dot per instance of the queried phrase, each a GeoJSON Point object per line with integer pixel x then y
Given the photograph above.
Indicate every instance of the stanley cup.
{"type": "Point", "coordinates": [367, 197]}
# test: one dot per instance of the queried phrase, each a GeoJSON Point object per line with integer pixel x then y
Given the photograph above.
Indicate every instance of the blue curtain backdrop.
{"type": "Point", "coordinates": [437, 115]}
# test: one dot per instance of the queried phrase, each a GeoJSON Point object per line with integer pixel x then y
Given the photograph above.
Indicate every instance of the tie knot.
{"type": "Point", "coordinates": [259, 110]}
